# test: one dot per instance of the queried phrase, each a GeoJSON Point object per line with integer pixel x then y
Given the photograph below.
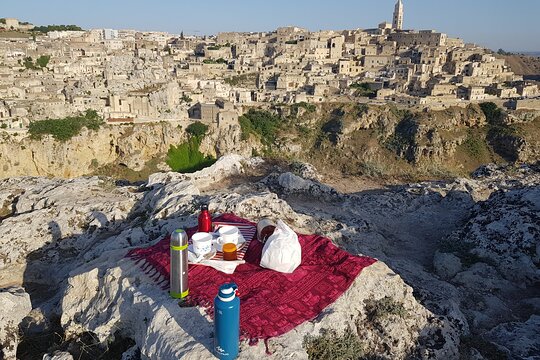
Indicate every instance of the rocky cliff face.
{"type": "Point", "coordinates": [356, 139]}
{"type": "Point", "coordinates": [456, 277]}
{"type": "Point", "coordinates": [387, 141]}
{"type": "Point", "coordinates": [516, 136]}
{"type": "Point", "coordinates": [131, 146]}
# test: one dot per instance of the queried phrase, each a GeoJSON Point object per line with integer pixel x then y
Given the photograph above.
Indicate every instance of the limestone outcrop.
{"type": "Point", "coordinates": [354, 138]}
{"type": "Point", "coordinates": [440, 290]}
{"type": "Point", "coordinates": [15, 305]}
{"type": "Point", "coordinates": [127, 145]}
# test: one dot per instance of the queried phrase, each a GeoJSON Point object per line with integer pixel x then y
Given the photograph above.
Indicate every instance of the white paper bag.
{"type": "Point", "coordinates": [282, 251]}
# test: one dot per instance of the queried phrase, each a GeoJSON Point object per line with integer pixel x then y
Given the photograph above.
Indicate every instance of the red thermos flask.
{"type": "Point", "coordinates": [205, 220]}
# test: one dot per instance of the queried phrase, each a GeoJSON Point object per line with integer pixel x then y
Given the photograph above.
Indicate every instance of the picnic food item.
{"type": "Point", "coordinates": [179, 265]}
{"type": "Point", "coordinates": [265, 228]}
{"type": "Point", "coordinates": [205, 220]}
{"type": "Point", "coordinates": [227, 322]}
{"type": "Point", "coordinates": [229, 252]}
{"type": "Point", "coordinates": [282, 251]}
{"type": "Point", "coordinates": [202, 243]}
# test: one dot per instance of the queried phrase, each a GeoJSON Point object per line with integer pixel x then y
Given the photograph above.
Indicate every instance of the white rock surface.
{"type": "Point", "coordinates": [123, 297]}
{"type": "Point", "coordinates": [446, 265]}
{"type": "Point", "coordinates": [15, 305]}
{"type": "Point", "coordinates": [506, 230]}
{"type": "Point", "coordinates": [58, 355]}
{"type": "Point", "coordinates": [65, 241]}
{"type": "Point", "coordinates": [521, 340]}
{"type": "Point", "coordinates": [228, 165]}
{"type": "Point", "coordinates": [56, 213]}
{"type": "Point", "coordinates": [289, 183]}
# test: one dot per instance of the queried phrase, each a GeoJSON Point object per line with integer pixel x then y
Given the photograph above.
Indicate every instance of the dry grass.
{"type": "Point", "coordinates": [14, 34]}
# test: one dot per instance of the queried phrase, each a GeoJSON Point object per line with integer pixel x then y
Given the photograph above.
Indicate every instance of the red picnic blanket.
{"type": "Point", "coordinates": [271, 303]}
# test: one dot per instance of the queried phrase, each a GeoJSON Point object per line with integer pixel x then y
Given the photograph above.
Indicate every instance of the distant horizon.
{"type": "Point", "coordinates": [524, 52]}
{"type": "Point", "coordinates": [487, 23]}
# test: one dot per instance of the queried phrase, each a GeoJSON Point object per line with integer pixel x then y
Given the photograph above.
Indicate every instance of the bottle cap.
{"type": "Point", "coordinates": [227, 292]}
{"type": "Point", "coordinates": [204, 207]}
{"type": "Point", "coordinates": [179, 238]}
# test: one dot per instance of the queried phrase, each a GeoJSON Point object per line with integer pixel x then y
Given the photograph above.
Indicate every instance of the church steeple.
{"type": "Point", "coordinates": [397, 23]}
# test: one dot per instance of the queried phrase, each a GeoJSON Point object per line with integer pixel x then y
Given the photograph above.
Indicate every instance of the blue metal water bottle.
{"type": "Point", "coordinates": [227, 322]}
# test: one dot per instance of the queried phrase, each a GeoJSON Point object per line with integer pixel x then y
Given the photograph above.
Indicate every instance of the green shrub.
{"type": "Point", "coordinates": [64, 129]}
{"type": "Point", "coordinates": [43, 60]}
{"type": "Point", "coordinates": [331, 345]}
{"type": "Point", "coordinates": [29, 63]}
{"type": "Point", "coordinates": [503, 52]}
{"type": "Point", "coordinates": [187, 158]}
{"type": "Point", "coordinates": [304, 131]}
{"type": "Point", "coordinates": [361, 109]}
{"type": "Point", "coordinates": [492, 112]}
{"type": "Point", "coordinates": [310, 108]}
{"type": "Point", "coordinates": [502, 131]}
{"type": "Point", "coordinates": [475, 145]}
{"type": "Point", "coordinates": [3, 126]}
{"type": "Point", "coordinates": [260, 122]}
{"type": "Point", "coordinates": [46, 29]}
{"type": "Point", "coordinates": [363, 89]}
{"type": "Point", "coordinates": [373, 169]}
{"type": "Point", "coordinates": [218, 61]}
{"type": "Point", "coordinates": [403, 136]}
{"type": "Point", "coordinates": [246, 126]}
{"type": "Point", "coordinates": [380, 309]}
{"type": "Point", "coordinates": [197, 129]}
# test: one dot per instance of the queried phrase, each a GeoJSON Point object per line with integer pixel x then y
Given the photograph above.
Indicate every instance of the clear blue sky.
{"type": "Point", "coordinates": [508, 24]}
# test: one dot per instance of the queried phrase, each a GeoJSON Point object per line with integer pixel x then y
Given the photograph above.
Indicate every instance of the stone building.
{"type": "Point", "coordinates": [138, 75]}
{"type": "Point", "coordinates": [11, 23]}
{"type": "Point", "coordinates": [335, 44]}
{"type": "Point", "coordinates": [528, 90]}
{"type": "Point", "coordinates": [220, 112]}
{"type": "Point", "coordinates": [377, 62]}
{"type": "Point", "coordinates": [476, 93]}
{"type": "Point", "coordinates": [422, 37]}
{"type": "Point", "coordinates": [397, 22]}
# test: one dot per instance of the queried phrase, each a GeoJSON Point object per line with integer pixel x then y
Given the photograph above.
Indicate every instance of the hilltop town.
{"type": "Point", "coordinates": [411, 147]}
{"type": "Point", "coordinates": [133, 76]}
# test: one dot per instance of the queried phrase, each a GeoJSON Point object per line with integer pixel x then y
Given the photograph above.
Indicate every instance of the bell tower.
{"type": "Point", "coordinates": [397, 23]}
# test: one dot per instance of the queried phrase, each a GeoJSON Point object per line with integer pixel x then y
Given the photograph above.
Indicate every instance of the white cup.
{"type": "Point", "coordinates": [202, 243]}
{"type": "Point", "coordinates": [228, 235]}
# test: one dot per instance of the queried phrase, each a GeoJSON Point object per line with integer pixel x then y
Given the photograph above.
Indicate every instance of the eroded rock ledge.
{"type": "Point", "coordinates": [64, 242]}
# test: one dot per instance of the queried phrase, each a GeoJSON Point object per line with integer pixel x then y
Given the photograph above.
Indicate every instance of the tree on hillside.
{"type": "Point", "coordinates": [502, 52]}
{"type": "Point", "coordinates": [197, 129]}
{"type": "Point", "coordinates": [46, 29]}
{"type": "Point", "coordinates": [43, 60]}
